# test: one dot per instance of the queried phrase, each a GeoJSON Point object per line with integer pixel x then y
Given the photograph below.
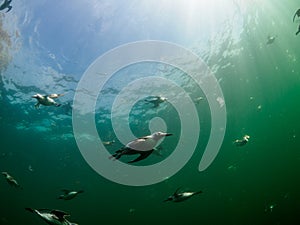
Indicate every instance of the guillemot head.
{"type": "Point", "coordinates": [158, 135]}
{"type": "Point", "coordinates": [4, 173]}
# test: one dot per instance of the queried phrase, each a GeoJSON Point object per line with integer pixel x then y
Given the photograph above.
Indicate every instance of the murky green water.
{"type": "Point", "coordinates": [46, 47]}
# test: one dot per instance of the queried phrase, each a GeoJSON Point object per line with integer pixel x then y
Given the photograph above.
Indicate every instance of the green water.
{"type": "Point", "coordinates": [254, 184]}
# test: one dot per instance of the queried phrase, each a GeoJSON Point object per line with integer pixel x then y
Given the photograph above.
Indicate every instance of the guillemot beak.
{"type": "Point", "coordinates": [168, 134]}
{"type": "Point", "coordinates": [34, 96]}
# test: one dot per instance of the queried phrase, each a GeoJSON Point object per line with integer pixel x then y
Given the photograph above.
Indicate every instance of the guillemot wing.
{"type": "Point", "coordinates": [176, 192]}
{"type": "Point", "coordinates": [143, 155]}
{"type": "Point", "coordinates": [140, 144]}
{"type": "Point", "coordinates": [60, 214]}
{"type": "Point", "coordinates": [146, 143]}
{"type": "Point", "coordinates": [66, 191]}
{"type": "Point", "coordinates": [55, 95]}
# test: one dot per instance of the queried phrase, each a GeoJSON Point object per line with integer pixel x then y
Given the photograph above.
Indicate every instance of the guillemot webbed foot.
{"type": "Point", "coordinates": [298, 31]}
{"type": "Point", "coordinates": [6, 4]}
{"type": "Point", "coordinates": [297, 13]}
